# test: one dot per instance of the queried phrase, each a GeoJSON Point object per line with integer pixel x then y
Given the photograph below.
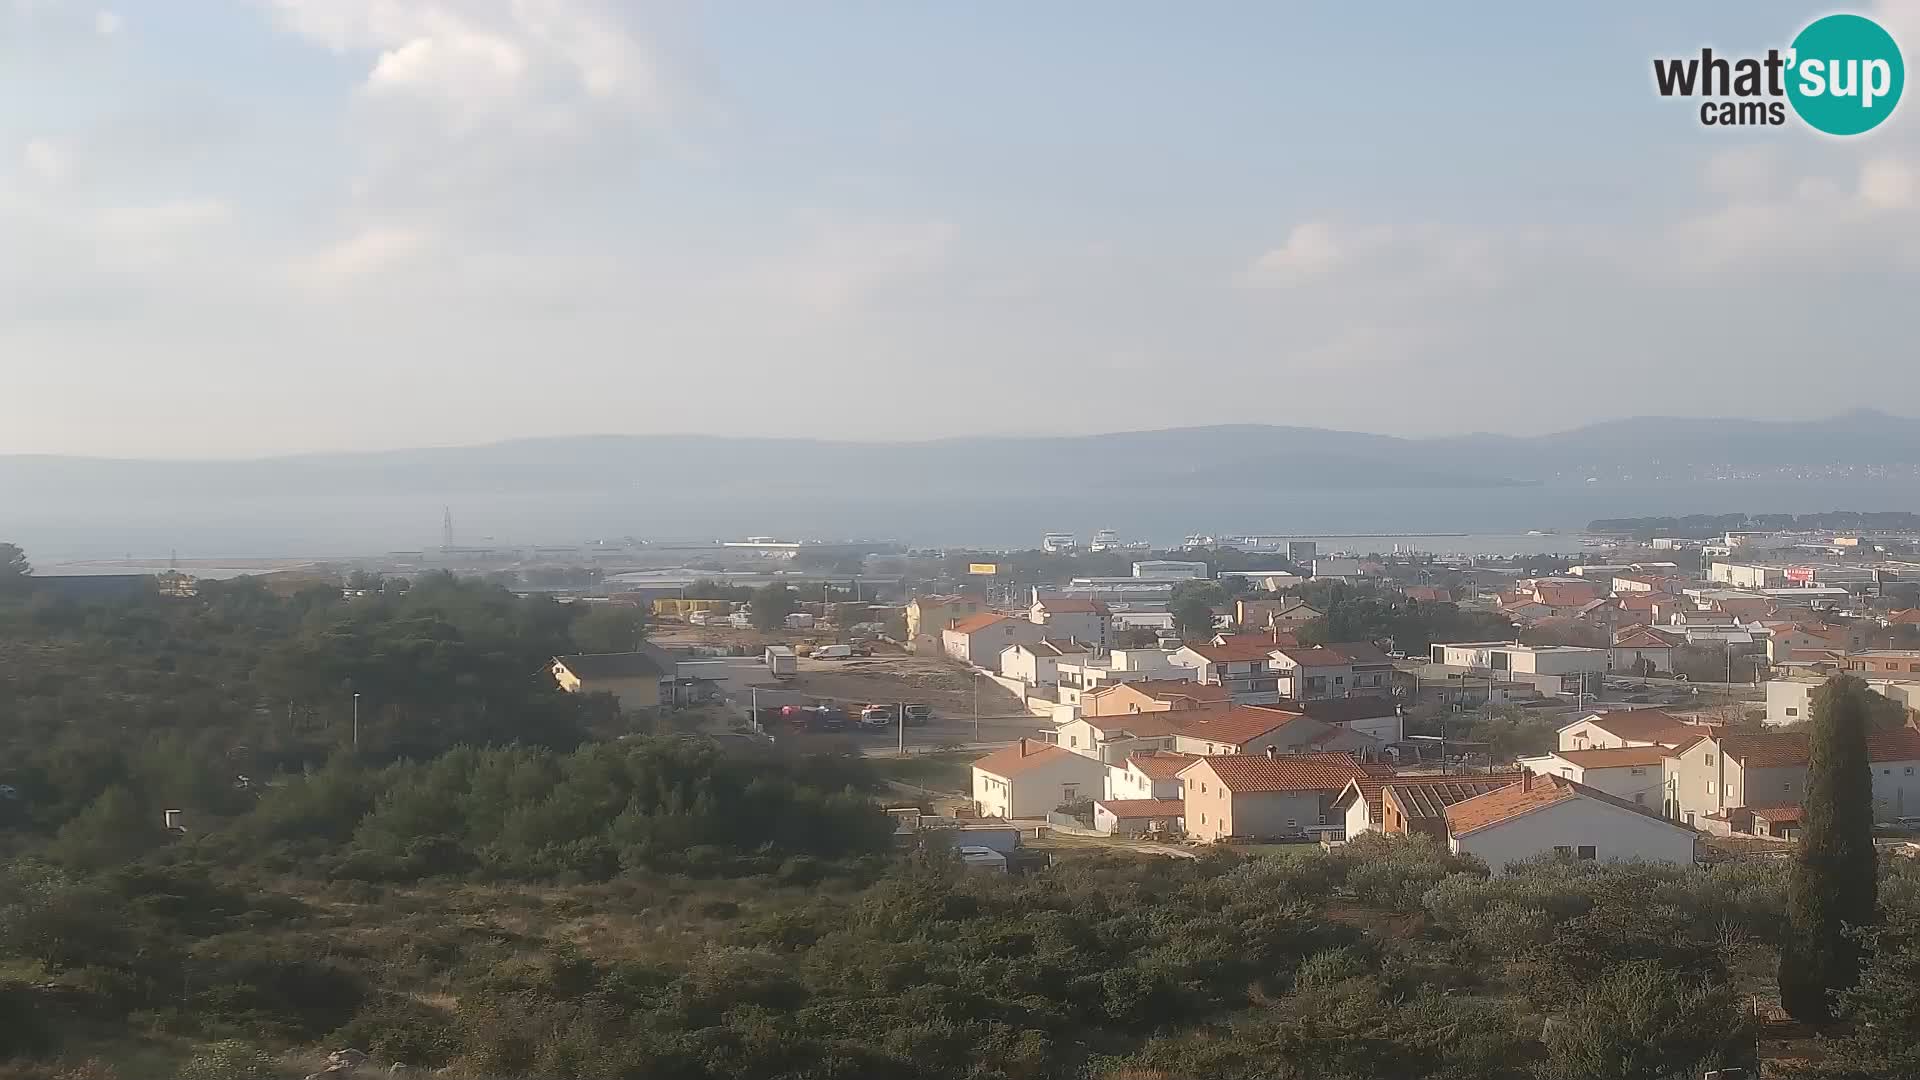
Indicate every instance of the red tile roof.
{"type": "Point", "coordinates": [1166, 689]}
{"type": "Point", "coordinates": [1265, 643]}
{"type": "Point", "coordinates": [1235, 724]}
{"type": "Point", "coordinates": [1429, 594]}
{"type": "Point", "coordinates": [1235, 653]}
{"type": "Point", "coordinates": [1161, 764]}
{"type": "Point", "coordinates": [1143, 725]}
{"type": "Point", "coordinates": [1513, 800]}
{"type": "Point", "coordinates": [973, 624]}
{"type": "Point", "coordinates": [1251, 774]}
{"type": "Point", "coordinates": [1023, 756]}
{"type": "Point", "coordinates": [1365, 787]}
{"type": "Point", "coordinates": [1646, 725]}
{"type": "Point", "coordinates": [1064, 605]}
{"type": "Point", "coordinates": [1779, 815]}
{"type": "Point", "coordinates": [1143, 808]}
{"type": "Point", "coordinates": [1785, 749]}
{"type": "Point", "coordinates": [1615, 757]}
{"type": "Point", "coordinates": [1904, 617]}
{"type": "Point", "coordinates": [1317, 655]}
{"type": "Point", "coordinates": [1639, 637]}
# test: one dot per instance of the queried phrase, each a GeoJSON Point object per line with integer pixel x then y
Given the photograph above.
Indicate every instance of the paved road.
{"type": "Point", "coordinates": [740, 676]}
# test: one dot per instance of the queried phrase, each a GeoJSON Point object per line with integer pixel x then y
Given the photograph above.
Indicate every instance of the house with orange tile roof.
{"type": "Point", "coordinates": [1244, 667]}
{"type": "Point", "coordinates": [1411, 804]}
{"type": "Point", "coordinates": [1642, 649]}
{"type": "Point", "coordinates": [1637, 774]}
{"type": "Point", "coordinates": [1628, 727]}
{"type": "Point", "coordinates": [1256, 797]}
{"type": "Point", "coordinates": [1769, 768]}
{"type": "Point", "coordinates": [927, 616]}
{"type": "Point", "coordinates": [1077, 618]}
{"type": "Point", "coordinates": [1255, 729]}
{"type": "Point", "coordinates": [1032, 778]}
{"type": "Point", "coordinates": [1552, 815]}
{"type": "Point", "coordinates": [978, 639]}
{"type": "Point", "coordinates": [1139, 817]}
{"type": "Point", "coordinates": [1150, 695]}
{"type": "Point", "coordinates": [1148, 774]}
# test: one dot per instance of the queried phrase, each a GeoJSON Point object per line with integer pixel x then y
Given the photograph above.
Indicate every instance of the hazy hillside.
{"type": "Point", "coordinates": [1233, 458]}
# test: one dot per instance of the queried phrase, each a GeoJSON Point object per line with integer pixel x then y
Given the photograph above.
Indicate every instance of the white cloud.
{"type": "Point", "coordinates": [844, 262]}
{"type": "Point", "coordinates": [372, 249]}
{"type": "Point", "coordinates": [165, 217]}
{"type": "Point", "coordinates": [107, 23]}
{"type": "Point", "coordinates": [46, 159]}
{"type": "Point", "coordinates": [481, 59]}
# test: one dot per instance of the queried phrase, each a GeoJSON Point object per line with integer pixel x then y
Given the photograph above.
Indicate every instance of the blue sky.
{"type": "Point", "coordinates": [256, 227]}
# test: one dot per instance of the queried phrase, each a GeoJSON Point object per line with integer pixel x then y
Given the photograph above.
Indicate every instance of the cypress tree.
{"type": "Point", "coordinates": [1833, 885]}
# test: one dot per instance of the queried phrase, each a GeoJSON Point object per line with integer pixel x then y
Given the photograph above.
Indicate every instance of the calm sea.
{"type": "Point", "coordinates": [204, 525]}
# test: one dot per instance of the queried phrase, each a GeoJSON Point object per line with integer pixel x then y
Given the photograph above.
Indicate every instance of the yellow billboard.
{"type": "Point", "coordinates": [983, 568]}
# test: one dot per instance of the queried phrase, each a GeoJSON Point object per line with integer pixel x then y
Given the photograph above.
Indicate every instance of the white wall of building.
{"type": "Point", "coordinates": [1614, 832]}
{"type": "Point", "coordinates": [1039, 788]}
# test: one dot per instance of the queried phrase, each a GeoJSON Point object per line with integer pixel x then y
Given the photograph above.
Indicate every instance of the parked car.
{"type": "Point", "coordinates": [919, 714]}
{"type": "Point", "coordinates": [877, 716]}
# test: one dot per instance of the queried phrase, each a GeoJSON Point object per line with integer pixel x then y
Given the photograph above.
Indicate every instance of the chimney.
{"type": "Point", "coordinates": [1272, 751]}
{"type": "Point", "coordinates": [1526, 779]}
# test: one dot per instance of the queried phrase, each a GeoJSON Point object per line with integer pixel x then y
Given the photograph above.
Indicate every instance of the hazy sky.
{"type": "Point", "coordinates": [234, 227]}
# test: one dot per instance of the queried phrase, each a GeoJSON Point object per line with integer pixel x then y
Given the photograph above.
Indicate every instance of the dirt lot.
{"type": "Point", "coordinates": [890, 680]}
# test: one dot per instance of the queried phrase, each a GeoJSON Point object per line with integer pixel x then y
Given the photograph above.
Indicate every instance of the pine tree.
{"type": "Point", "coordinates": [1833, 885]}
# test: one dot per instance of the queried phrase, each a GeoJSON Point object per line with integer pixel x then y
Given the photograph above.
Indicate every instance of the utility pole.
{"type": "Point", "coordinates": [755, 706]}
{"type": "Point", "coordinates": [356, 721]}
{"type": "Point", "coordinates": [900, 726]}
{"type": "Point", "coordinates": [976, 707]}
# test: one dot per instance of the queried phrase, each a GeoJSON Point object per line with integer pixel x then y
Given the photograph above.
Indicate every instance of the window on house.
{"type": "Point", "coordinates": [1203, 787]}
{"type": "Point", "coordinates": [1791, 711]}
{"type": "Point", "coordinates": [1203, 819]}
{"type": "Point", "coordinates": [1323, 819]}
{"type": "Point", "coordinates": [1069, 792]}
{"type": "Point", "coordinates": [1292, 824]}
{"type": "Point", "coordinates": [1709, 759]}
{"type": "Point", "coordinates": [1909, 770]}
{"type": "Point", "coordinates": [1588, 852]}
{"type": "Point", "coordinates": [1073, 740]}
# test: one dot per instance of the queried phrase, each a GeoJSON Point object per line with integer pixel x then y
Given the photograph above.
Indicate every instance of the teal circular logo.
{"type": "Point", "coordinates": [1846, 74]}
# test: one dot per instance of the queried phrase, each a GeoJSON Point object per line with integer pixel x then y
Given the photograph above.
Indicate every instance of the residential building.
{"type": "Point", "coordinates": [1139, 817]}
{"type": "Point", "coordinates": [1080, 619]}
{"type": "Point", "coordinates": [1883, 663]}
{"type": "Point", "coordinates": [1411, 805]}
{"type": "Point", "coordinates": [1247, 729]}
{"type": "Point", "coordinates": [1639, 649]}
{"type": "Point", "coordinates": [979, 639]}
{"type": "Point", "coordinates": [1150, 695]}
{"type": "Point", "coordinates": [1634, 773]}
{"type": "Point", "coordinates": [1547, 815]}
{"type": "Point", "coordinates": [1553, 669]}
{"type": "Point", "coordinates": [1112, 738]}
{"type": "Point", "coordinates": [1377, 716]}
{"type": "Point", "coordinates": [1036, 663]}
{"type": "Point", "coordinates": [1428, 594]}
{"type": "Point", "coordinates": [927, 616]}
{"type": "Point", "coordinates": [633, 678]}
{"type": "Point", "coordinates": [1284, 613]}
{"type": "Point", "coordinates": [1031, 778]}
{"type": "Point", "coordinates": [1078, 677]}
{"type": "Point", "coordinates": [1254, 797]}
{"type": "Point", "coordinates": [1311, 673]}
{"type": "Point", "coordinates": [1629, 727]}
{"type": "Point", "coordinates": [1719, 773]}
{"type": "Point", "coordinates": [1148, 774]}
{"type": "Point", "coordinates": [1245, 670]}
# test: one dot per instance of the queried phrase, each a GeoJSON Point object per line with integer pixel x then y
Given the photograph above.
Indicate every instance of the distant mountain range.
{"type": "Point", "coordinates": [1230, 459]}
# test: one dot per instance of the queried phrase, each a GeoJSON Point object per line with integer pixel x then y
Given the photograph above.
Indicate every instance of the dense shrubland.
{"type": "Point", "coordinates": [484, 888]}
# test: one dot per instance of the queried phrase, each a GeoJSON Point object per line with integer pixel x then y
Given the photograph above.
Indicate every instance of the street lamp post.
{"type": "Point", "coordinates": [356, 721]}
{"type": "Point", "coordinates": [976, 706]}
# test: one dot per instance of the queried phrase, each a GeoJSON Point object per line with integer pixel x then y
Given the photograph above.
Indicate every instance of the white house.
{"type": "Point", "coordinates": [1545, 815]}
{"type": "Point", "coordinates": [1148, 774]}
{"type": "Point", "coordinates": [1637, 774]}
{"type": "Point", "coordinates": [1631, 727]}
{"type": "Point", "coordinates": [1037, 663]}
{"type": "Point", "coordinates": [979, 639]}
{"type": "Point", "coordinates": [1073, 618]}
{"type": "Point", "coordinates": [1032, 778]}
{"type": "Point", "coordinates": [1244, 668]}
